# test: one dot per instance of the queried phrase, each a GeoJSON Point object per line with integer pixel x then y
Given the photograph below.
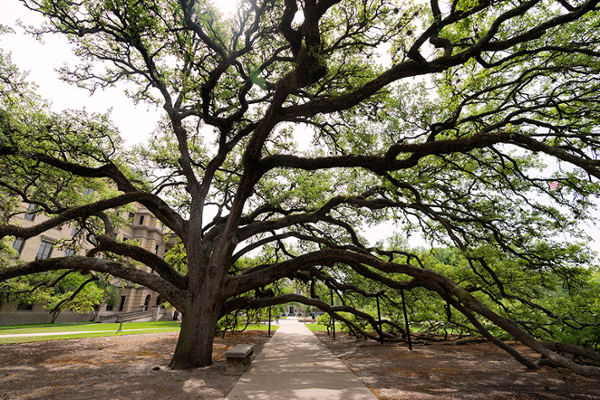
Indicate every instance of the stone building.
{"type": "Point", "coordinates": [134, 302]}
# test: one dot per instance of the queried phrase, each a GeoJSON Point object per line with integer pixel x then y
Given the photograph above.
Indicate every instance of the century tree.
{"type": "Point", "coordinates": [292, 125]}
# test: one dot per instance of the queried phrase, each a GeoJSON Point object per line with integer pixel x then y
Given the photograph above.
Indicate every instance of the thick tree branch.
{"type": "Point", "coordinates": [170, 292]}
{"type": "Point", "coordinates": [164, 269]}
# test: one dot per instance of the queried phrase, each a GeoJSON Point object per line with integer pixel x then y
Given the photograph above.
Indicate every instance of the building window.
{"type": "Point", "coordinates": [131, 215]}
{"type": "Point", "coordinates": [74, 231]}
{"type": "Point", "coordinates": [30, 215]}
{"type": "Point", "coordinates": [44, 251]}
{"type": "Point", "coordinates": [156, 249]}
{"type": "Point", "coordinates": [125, 239]}
{"type": "Point", "coordinates": [88, 191]}
{"type": "Point", "coordinates": [146, 303]}
{"type": "Point", "coordinates": [69, 252]}
{"type": "Point", "coordinates": [19, 244]}
{"type": "Point", "coordinates": [109, 307]}
{"type": "Point", "coordinates": [141, 220]}
{"type": "Point", "coordinates": [122, 304]}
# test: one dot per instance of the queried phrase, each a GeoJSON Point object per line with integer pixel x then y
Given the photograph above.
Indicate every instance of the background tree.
{"type": "Point", "coordinates": [58, 291]}
{"type": "Point", "coordinates": [440, 117]}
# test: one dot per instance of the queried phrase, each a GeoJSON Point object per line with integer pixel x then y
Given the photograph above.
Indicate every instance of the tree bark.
{"type": "Point", "coordinates": [198, 327]}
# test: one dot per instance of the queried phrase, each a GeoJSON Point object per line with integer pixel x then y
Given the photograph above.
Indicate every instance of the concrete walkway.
{"type": "Point", "coordinates": [294, 364]}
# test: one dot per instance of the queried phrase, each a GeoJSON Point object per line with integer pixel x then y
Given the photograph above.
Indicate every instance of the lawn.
{"type": "Point", "coordinates": [261, 327]}
{"type": "Point", "coordinates": [76, 331]}
{"type": "Point", "coordinates": [11, 327]}
{"type": "Point", "coordinates": [316, 327]}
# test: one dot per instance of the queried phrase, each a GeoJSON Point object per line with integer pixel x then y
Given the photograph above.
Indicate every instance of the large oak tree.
{"type": "Point", "coordinates": [291, 126]}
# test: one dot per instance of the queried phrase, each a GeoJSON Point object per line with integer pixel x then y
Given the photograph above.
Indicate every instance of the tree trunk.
{"type": "Point", "coordinates": [198, 327]}
{"type": "Point", "coordinates": [55, 315]}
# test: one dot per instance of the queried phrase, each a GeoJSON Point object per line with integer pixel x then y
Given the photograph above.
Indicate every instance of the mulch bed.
{"type": "Point", "coordinates": [118, 367]}
{"type": "Point", "coordinates": [135, 367]}
{"type": "Point", "coordinates": [444, 371]}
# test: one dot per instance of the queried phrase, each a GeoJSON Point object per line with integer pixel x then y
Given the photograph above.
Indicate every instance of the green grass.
{"type": "Point", "coordinates": [316, 327]}
{"type": "Point", "coordinates": [261, 327]}
{"type": "Point", "coordinates": [92, 330]}
{"type": "Point", "coordinates": [11, 327]}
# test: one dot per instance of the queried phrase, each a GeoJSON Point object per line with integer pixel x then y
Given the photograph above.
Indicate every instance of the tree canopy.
{"type": "Point", "coordinates": [291, 126]}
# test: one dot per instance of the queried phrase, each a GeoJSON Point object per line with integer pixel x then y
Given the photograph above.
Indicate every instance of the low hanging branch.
{"type": "Point", "coordinates": [247, 303]}
{"type": "Point", "coordinates": [75, 293]}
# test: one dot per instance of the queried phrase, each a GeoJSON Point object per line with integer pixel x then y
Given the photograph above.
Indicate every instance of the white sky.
{"type": "Point", "coordinates": [42, 60]}
{"type": "Point", "coordinates": [134, 122]}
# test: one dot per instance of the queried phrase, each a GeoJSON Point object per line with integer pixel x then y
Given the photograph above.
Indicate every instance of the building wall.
{"type": "Point", "coordinates": [31, 246]}
{"type": "Point", "coordinates": [9, 315]}
{"type": "Point", "coordinates": [147, 231]}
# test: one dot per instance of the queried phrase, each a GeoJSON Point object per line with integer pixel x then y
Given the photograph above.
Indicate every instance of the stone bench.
{"type": "Point", "coordinates": [238, 359]}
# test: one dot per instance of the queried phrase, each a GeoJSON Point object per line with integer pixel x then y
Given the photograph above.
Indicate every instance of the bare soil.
{"type": "Point", "coordinates": [135, 367]}
{"type": "Point", "coordinates": [445, 371]}
{"type": "Point", "coordinates": [118, 367]}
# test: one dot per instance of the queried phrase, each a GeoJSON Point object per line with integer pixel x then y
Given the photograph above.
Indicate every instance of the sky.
{"type": "Point", "coordinates": [134, 122]}
{"type": "Point", "coordinates": [41, 61]}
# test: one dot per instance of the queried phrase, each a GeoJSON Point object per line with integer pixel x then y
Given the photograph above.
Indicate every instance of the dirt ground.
{"type": "Point", "coordinates": [442, 371]}
{"type": "Point", "coordinates": [118, 367]}
{"type": "Point", "coordinates": [125, 367]}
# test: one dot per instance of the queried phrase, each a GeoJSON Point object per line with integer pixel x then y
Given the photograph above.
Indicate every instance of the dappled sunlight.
{"type": "Point", "coordinates": [125, 367]}
{"type": "Point", "coordinates": [191, 384]}
{"type": "Point", "coordinates": [442, 371]}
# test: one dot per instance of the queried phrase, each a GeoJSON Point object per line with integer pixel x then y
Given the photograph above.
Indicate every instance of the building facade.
{"type": "Point", "coordinates": [134, 302]}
